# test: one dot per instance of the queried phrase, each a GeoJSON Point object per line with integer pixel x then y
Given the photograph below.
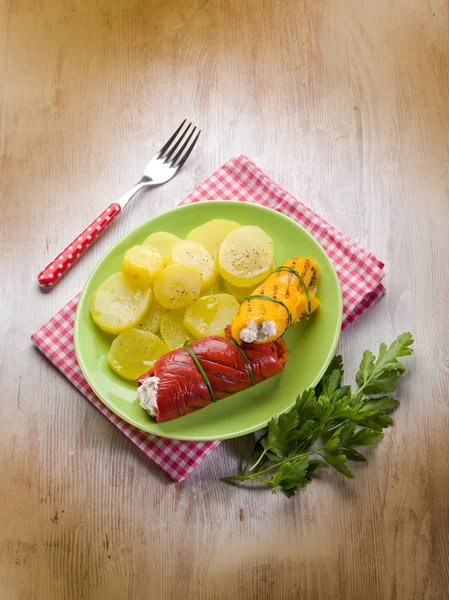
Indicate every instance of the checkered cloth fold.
{"type": "Point", "coordinates": [360, 274]}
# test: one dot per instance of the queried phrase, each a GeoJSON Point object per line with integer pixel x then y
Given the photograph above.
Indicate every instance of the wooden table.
{"type": "Point", "coordinates": [345, 104]}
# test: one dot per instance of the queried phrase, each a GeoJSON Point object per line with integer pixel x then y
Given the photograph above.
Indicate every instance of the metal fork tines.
{"type": "Point", "coordinates": [173, 154]}
{"type": "Point", "coordinates": [166, 151]}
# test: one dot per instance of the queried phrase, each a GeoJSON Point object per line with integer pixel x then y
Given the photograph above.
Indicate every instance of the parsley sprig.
{"type": "Point", "coordinates": [329, 422]}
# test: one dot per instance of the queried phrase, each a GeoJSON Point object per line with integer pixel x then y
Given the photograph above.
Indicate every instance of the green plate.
{"type": "Point", "coordinates": [311, 343]}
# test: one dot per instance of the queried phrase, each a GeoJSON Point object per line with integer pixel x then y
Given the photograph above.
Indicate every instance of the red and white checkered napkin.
{"type": "Point", "coordinates": [360, 274]}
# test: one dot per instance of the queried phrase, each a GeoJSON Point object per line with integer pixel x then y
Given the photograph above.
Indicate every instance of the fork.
{"type": "Point", "coordinates": [161, 168]}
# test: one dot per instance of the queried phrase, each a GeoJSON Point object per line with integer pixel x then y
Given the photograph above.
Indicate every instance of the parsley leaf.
{"type": "Point", "coordinates": [376, 421]}
{"type": "Point", "coordinates": [306, 404]}
{"type": "Point", "coordinates": [366, 368]}
{"type": "Point", "coordinates": [291, 477]}
{"type": "Point", "coordinates": [332, 377]}
{"type": "Point", "coordinates": [334, 441]}
{"type": "Point", "coordinates": [382, 375]}
{"type": "Point", "coordinates": [353, 454]}
{"type": "Point", "coordinates": [363, 437]}
{"type": "Point", "coordinates": [282, 434]}
{"type": "Point", "coordinates": [383, 406]}
{"type": "Point", "coordinates": [338, 461]}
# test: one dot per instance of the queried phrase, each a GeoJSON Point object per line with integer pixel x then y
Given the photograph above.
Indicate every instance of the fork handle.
{"type": "Point", "coordinates": [62, 263]}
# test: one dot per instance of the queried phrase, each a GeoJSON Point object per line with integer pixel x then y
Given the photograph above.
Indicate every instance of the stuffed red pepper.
{"type": "Point", "coordinates": [207, 370]}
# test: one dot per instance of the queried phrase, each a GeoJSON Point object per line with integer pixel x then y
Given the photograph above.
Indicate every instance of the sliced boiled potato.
{"type": "Point", "coordinates": [141, 264]}
{"type": "Point", "coordinates": [173, 331]}
{"type": "Point", "coordinates": [116, 307]}
{"type": "Point", "coordinates": [194, 254]}
{"type": "Point", "coordinates": [246, 256]}
{"type": "Point", "coordinates": [217, 286]}
{"type": "Point", "coordinates": [152, 320]}
{"type": "Point", "coordinates": [212, 233]}
{"type": "Point", "coordinates": [163, 241]}
{"type": "Point", "coordinates": [210, 315]}
{"type": "Point", "coordinates": [239, 293]}
{"type": "Point", "coordinates": [134, 352]}
{"type": "Point", "coordinates": [177, 286]}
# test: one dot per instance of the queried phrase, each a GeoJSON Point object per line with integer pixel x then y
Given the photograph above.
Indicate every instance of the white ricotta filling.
{"type": "Point", "coordinates": [147, 393]}
{"type": "Point", "coordinates": [258, 332]}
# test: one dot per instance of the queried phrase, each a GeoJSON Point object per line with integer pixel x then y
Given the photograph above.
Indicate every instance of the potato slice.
{"type": "Point", "coordinates": [116, 307]}
{"type": "Point", "coordinates": [152, 320]}
{"type": "Point", "coordinates": [194, 254]}
{"type": "Point", "coordinates": [216, 288]}
{"type": "Point", "coordinates": [177, 286]}
{"type": "Point", "coordinates": [173, 331]}
{"type": "Point", "coordinates": [212, 233]}
{"type": "Point", "coordinates": [134, 352]}
{"type": "Point", "coordinates": [140, 265]}
{"type": "Point", "coordinates": [163, 241]}
{"type": "Point", "coordinates": [209, 315]}
{"type": "Point", "coordinates": [239, 293]}
{"type": "Point", "coordinates": [246, 256]}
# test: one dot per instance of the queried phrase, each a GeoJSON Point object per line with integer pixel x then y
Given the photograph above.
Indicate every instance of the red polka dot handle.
{"type": "Point", "coordinates": [58, 267]}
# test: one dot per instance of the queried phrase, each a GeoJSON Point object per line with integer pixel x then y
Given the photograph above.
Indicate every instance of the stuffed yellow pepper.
{"type": "Point", "coordinates": [286, 296]}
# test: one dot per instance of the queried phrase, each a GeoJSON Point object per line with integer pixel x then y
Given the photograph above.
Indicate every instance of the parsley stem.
{"type": "Point", "coordinates": [292, 458]}
{"type": "Point", "coordinates": [359, 393]}
{"type": "Point", "coordinates": [249, 460]}
{"type": "Point", "coordinates": [332, 429]}
{"type": "Point", "coordinates": [258, 461]}
{"type": "Point", "coordinates": [245, 478]}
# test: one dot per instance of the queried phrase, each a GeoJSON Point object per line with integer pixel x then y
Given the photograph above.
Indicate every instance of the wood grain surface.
{"type": "Point", "coordinates": [345, 103]}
